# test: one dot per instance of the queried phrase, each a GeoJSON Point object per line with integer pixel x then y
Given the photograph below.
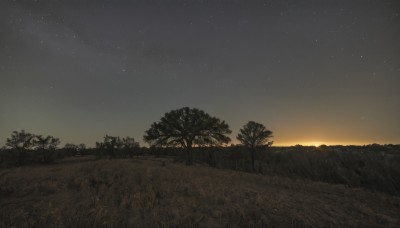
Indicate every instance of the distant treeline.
{"type": "Point", "coordinates": [191, 135]}
{"type": "Point", "coordinates": [374, 167]}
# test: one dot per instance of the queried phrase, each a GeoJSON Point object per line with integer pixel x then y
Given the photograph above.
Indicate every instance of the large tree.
{"type": "Point", "coordinates": [253, 135]}
{"type": "Point", "coordinates": [185, 128]}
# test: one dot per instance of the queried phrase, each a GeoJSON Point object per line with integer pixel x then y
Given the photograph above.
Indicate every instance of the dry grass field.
{"type": "Point", "coordinates": [149, 192]}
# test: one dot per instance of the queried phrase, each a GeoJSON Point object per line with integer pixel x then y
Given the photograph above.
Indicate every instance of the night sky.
{"type": "Point", "coordinates": [313, 72]}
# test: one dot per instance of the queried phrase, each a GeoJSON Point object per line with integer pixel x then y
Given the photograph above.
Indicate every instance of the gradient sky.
{"type": "Point", "coordinates": [312, 71]}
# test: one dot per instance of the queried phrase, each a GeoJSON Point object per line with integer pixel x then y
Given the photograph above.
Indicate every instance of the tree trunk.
{"type": "Point", "coordinates": [189, 160]}
{"type": "Point", "coordinates": [44, 155]}
{"type": "Point", "coordinates": [253, 150]}
{"type": "Point", "coordinates": [21, 156]}
{"type": "Point", "coordinates": [213, 158]}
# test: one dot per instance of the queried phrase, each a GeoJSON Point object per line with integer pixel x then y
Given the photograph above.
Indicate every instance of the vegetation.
{"type": "Point", "coordinates": [162, 193]}
{"type": "Point", "coordinates": [254, 135]}
{"type": "Point", "coordinates": [25, 148]}
{"type": "Point", "coordinates": [20, 142]}
{"type": "Point", "coordinates": [154, 189]}
{"type": "Point", "coordinates": [376, 168]}
{"type": "Point", "coordinates": [82, 148]}
{"type": "Point", "coordinates": [47, 146]}
{"type": "Point", "coordinates": [110, 144]}
{"type": "Point", "coordinates": [114, 144]}
{"type": "Point", "coordinates": [187, 127]}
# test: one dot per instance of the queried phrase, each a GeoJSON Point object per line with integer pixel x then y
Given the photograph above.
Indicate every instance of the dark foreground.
{"type": "Point", "coordinates": [161, 193]}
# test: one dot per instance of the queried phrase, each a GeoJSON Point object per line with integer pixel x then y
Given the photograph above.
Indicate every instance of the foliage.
{"type": "Point", "coordinates": [114, 144]}
{"type": "Point", "coordinates": [129, 143]}
{"type": "Point", "coordinates": [47, 146]}
{"type": "Point", "coordinates": [253, 135]}
{"type": "Point", "coordinates": [130, 146]}
{"type": "Point", "coordinates": [110, 144]}
{"type": "Point", "coordinates": [27, 148]}
{"type": "Point", "coordinates": [187, 127]}
{"type": "Point", "coordinates": [20, 142]}
{"type": "Point", "coordinates": [373, 168]}
{"type": "Point", "coordinates": [71, 148]}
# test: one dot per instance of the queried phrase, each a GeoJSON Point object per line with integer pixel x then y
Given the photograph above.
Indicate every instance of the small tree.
{"type": "Point", "coordinates": [110, 144]}
{"type": "Point", "coordinates": [129, 144]}
{"type": "Point", "coordinates": [186, 127]}
{"type": "Point", "coordinates": [47, 146]}
{"type": "Point", "coordinates": [71, 149]}
{"type": "Point", "coordinates": [21, 142]}
{"type": "Point", "coordinates": [253, 135]}
{"type": "Point", "coordinates": [82, 149]}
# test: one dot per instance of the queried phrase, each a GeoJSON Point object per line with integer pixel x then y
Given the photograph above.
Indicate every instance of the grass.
{"type": "Point", "coordinates": [354, 167]}
{"type": "Point", "coordinates": [161, 193]}
{"type": "Point", "coordinates": [372, 167]}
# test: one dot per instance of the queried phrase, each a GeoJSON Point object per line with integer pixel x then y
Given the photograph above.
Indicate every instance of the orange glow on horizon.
{"type": "Point", "coordinates": [319, 143]}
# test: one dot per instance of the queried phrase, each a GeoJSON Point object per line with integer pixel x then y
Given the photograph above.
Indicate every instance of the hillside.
{"type": "Point", "coordinates": [150, 192]}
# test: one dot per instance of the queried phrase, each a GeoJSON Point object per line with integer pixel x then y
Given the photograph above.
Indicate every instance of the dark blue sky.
{"type": "Point", "coordinates": [311, 71]}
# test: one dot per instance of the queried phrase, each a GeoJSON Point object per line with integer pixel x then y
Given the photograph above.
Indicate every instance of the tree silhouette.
{"type": "Point", "coordinates": [72, 149]}
{"type": "Point", "coordinates": [129, 144]}
{"type": "Point", "coordinates": [47, 146]}
{"type": "Point", "coordinates": [186, 127]}
{"type": "Point", "coordinates": [21, 141]}
{"type": "Point", "coordinates": [253, 135]}
{"type": "Point", "coordinates": [82, 149]}
{"type": "Point", "coordinates": [111, 144]}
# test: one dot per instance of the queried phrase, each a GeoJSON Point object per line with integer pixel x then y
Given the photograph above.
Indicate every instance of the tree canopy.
{"type": "Point", "coordinates": [186, 127]}
{"type": "Point", "coordinates": [254, 134]}
{"type": "Point", "coordinates": [20, 140]}
{"type": "Point", "coordinates": [46, 143]}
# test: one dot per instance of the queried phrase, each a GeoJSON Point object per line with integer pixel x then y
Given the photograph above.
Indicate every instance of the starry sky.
{"type": "Point", "coordinates": [312, 71]}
